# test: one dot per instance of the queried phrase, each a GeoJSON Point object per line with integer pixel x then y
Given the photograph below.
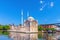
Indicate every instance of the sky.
{"type": "Point", "coordinates": [45, 11]}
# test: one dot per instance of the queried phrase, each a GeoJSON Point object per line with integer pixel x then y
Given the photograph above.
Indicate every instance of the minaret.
{"type": "Point", "coordinates": [22, 18]}
{"type": "Point", "coordinates": [27, 14]}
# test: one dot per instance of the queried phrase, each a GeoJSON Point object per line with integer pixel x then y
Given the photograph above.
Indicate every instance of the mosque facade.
{"type": "Point", "coordinates": [29, 25]}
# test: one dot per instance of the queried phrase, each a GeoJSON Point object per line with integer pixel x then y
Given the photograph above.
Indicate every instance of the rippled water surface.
{"type": "Point", "coordinates": [32, 36]}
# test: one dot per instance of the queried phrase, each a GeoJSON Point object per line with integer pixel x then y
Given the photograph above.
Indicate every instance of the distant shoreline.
{"type": "Point", "coordinates": [27, 32]}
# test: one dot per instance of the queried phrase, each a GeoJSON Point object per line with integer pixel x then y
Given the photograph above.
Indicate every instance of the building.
{"type": "Point", "coordinates": [30, 25]}
{"type": "Point", "coordinates": [48, 26]}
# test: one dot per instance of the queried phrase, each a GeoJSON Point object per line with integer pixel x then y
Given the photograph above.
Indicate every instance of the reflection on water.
{"type": "Point", "coordinates": [49, 36]}
{"type": "Point", "coordinates": [23, 36]}
{"type": "Point", "coordinates": [32, 36]}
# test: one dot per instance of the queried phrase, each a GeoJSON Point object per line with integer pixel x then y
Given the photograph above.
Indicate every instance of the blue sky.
{"type": "Point", "coordinates": [10, 11]}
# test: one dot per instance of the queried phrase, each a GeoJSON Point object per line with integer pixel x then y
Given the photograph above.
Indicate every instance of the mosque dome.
{"type": "Point", "coordinates": [30, 18]}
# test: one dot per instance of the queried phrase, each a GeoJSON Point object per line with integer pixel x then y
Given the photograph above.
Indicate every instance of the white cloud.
{"type": "Point", "coordinates": [41, 9]}
{"type": "Point", "coordinates": [52, 4]}
{"type": "Point", "coordinates": [41, 1]}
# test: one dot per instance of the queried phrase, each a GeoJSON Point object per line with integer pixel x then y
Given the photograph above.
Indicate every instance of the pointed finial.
{"type": "Point", "coordinates": [27, 14]}
{"type": "Point", "coordinates": [22, 12]}
{"type": "Point", "coordinates": [22, 17]}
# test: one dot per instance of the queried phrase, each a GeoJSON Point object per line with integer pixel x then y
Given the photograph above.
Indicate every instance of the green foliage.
{"type": "Point", "coordinates": [1, 27]}
{"type": "Point", "coordinates": [4, 27]}
{"type": "Point", "coordinates": [40, 36]}
{"type": "Point", "coordinates": [53, 29]}
{"type": "Point", "coordinates": [7, 27]}
{"type": "Point", "coordinates": [47, 29]}
{"type": "Point", "coordinates": [50, 29]}
{"type": "Point", "coordinates": [6, 33]}
{"type": "Point", "coordinates": [40, 28]}
{"type": "Point", "coordinates": [0, 32]}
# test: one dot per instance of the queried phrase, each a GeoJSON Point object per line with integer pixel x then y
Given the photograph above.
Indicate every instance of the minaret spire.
{"type": "Point", "coordinates": [27, 14]}
{"type": "Point", "coordinates": [22, 17]}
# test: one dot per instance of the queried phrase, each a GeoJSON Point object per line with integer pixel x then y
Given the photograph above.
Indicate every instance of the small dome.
{"type": "Point", "coordinates": [30, 18]}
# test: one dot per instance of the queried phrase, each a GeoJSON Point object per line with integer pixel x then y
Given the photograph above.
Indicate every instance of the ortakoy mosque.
{"type": "Point", "coordinates": [29, 25]}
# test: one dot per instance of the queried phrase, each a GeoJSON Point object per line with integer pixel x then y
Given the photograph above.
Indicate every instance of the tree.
{"type": "Point", "coordinates": [40, 28]}
{"type": "Point", "coordinates": [7, 27]}
{"type": "Point", "coordinates": [1, 27]}
{"type": "Point", "coordinates": [52, 29]}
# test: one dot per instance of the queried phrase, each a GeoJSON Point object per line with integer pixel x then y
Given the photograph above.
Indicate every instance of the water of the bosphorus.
{"type": "Point", "coordinates": [27, 36]}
